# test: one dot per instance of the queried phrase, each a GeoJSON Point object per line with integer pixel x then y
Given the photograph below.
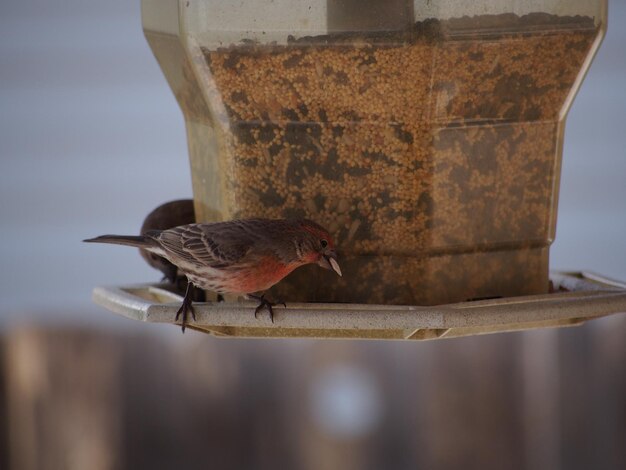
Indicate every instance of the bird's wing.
{"type": "Point", "coordinates": [215, 245]}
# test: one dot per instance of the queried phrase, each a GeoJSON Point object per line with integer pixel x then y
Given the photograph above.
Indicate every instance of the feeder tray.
{"type": "Point", "coordinates": [576, 298]}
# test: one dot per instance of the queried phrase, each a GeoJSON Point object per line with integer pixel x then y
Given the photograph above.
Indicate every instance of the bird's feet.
{"type": "Point", "coordinates": [264, 303]}
{"type": "Point", "coordinates": [180, 286]}
{"type": "Point", "coordinates": [186, 306]}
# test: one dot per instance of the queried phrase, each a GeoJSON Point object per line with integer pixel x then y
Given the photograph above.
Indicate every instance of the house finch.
{"type": "Point", "coordinates": [237, 257]}
{"type": "Point", "coordinates": [168, 215]}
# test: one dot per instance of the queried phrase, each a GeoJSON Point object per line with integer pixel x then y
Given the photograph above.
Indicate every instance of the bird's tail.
{"type": "Point", "coordinates": [138, 241]}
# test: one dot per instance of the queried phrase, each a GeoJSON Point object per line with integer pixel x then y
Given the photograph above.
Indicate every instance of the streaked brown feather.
{"type": "Point", "coordinates": [240, 256]}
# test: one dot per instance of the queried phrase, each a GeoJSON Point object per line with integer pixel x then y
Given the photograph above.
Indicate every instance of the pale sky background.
{"type": "Point", "coordinates": [91, 139]}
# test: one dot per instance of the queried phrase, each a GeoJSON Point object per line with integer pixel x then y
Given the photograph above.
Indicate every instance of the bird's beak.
{"type": "Point", "coordinates": [329, 261]}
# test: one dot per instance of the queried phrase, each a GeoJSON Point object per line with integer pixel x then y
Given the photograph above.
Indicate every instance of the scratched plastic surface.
{"type": "Point", "coordinates": [573, 299]}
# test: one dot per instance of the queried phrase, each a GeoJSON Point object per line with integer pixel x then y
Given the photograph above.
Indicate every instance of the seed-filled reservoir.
{"type": "Point", "coordinates": [431, 153]}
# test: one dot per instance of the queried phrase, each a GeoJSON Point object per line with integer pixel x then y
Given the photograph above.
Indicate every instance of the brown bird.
{"type": "Point", "coordinates": [168, 215]}
{"type": "Point", "coordinates": [237, 257]}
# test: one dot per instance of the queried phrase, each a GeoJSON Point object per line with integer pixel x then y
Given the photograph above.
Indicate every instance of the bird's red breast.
{"type": "Point", "coordinates": [258, 277]}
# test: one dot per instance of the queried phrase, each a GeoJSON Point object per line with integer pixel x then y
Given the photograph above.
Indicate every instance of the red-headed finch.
{"type": "Point", "coordinates": [237, 257]}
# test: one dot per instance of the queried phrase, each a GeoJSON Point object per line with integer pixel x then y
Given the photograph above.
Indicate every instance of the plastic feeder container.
{"type": "Point", "coordinates": [426, 136]}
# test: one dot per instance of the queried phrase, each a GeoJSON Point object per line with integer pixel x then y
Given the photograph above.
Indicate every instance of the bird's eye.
{"type": "Point", "coordinates": [324, 243]}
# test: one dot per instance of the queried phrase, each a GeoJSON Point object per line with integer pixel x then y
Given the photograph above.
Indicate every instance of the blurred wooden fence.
{"type": "Point", "coordinates": [78, 399]}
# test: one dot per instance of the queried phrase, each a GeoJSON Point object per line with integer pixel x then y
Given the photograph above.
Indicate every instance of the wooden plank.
{"type": "Point", "coordinates": [61, 394]}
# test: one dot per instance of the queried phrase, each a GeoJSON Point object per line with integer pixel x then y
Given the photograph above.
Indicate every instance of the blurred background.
{"type": "Point", "coordinates": [91, 140]}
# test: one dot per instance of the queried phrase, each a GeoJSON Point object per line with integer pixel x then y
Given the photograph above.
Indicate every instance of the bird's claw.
{"type": "Point", "coordinates": [186, 307]}
{"type": "Point", "coordinates": [269, 309]}
{"type": "Point", "coordinates": [264, 303]}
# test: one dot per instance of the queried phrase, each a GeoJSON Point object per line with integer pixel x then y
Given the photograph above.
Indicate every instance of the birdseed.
{"type": "Point", "coordinates": [432, 156]}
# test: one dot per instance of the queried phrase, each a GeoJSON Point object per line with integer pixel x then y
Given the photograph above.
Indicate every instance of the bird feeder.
{"type": "Point", "coordinates": [426, 136]}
